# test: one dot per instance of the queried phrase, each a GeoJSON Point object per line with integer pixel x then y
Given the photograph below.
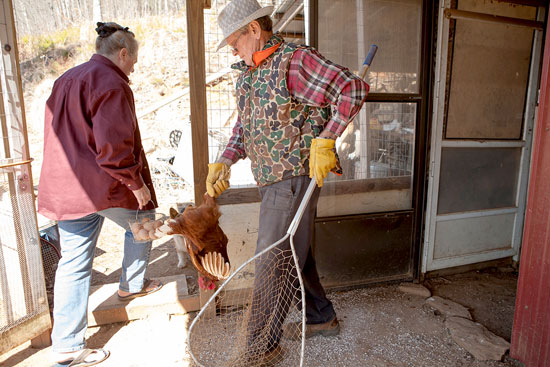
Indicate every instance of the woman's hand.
{"type": "Point", "coordinates": [143, 196]}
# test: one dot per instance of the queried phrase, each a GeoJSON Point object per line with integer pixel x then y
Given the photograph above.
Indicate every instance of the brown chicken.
{"type": "Point", "coordinates": [205, 240]}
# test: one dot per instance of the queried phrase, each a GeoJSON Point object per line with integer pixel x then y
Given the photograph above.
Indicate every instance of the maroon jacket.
{"type": "Point", "coordinates": [93, 155]}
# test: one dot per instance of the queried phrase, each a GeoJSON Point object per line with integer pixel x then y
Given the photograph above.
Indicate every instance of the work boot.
{"type": "Point", "coordinates": [268, 359]}
{"type": "Point", "coordinates": [272, 357]}
{"type": "Point", "coordinates": [293, 330]}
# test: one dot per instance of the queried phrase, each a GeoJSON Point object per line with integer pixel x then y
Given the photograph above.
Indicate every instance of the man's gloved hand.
{"type": "Point", "coordinates": [217, 180]}
{"type": "Point", "coordinates": [321, 159]}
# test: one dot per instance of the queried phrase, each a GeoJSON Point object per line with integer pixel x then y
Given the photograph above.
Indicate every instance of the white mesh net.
{"type": "Point", "coordinates": [244, 327]}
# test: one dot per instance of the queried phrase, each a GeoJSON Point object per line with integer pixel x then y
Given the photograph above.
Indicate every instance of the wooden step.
{"type": "Point", "coordinates": [173, 298]}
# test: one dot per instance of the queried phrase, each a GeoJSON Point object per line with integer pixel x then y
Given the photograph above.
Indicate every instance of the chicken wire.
{"type": "Point", "coordinates": [390, 139]}
{"type": "Point", "coordinates": [288, 18]}
{"type": "Point", "coordinates": [22, 292]}
{"type": "Point", "coordinates": [169, 186]}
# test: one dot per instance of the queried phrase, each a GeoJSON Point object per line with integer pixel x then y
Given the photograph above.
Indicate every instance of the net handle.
{"type": "Point", "coordinates": [293, 227]}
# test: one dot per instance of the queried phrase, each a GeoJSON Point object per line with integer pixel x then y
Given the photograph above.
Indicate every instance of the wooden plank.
{"type": "Point", "coordinates": [499, 263]}
{"type": "Point", "coordinates": [278, 16]}
{"type": "Point", "coordinates": [542, 3]}
{"type": "Point", "coordinates": [197, 85]}
{"type": "Point", "coordinates": [205, 295]}
{"type": "Point", "coordinates": [235, 297]}
{"type": "Point", "coordinates": [163, 102]}
{"type": "Point", "coordinates": [43, 340]}
{"type": "Point", "coordinates": [490, 18]}
{"type": "Point", "coordinates": [18, 100]}
{"type": "Point", "coordinates": [6, 306]}
{"type": "Point", "coordinates": [239, 196]}
{"type": "Point", "coordinates": [530, 333]}
{"type": "Point", "coordinates": [174, 97]}
{"type": "Point", "coordinates": [173, 298]}
{"type": "Point", "coordinates": [293, 35]}
{"type": "Point", "coordinates": [24, 331]}
{"type": "Point", "coordinates": [366, 185]}
{"type": "Point", "coordinates": [251, 194]}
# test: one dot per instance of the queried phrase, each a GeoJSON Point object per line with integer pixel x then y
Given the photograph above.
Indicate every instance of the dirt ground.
{"type": "Point", "coordinates": [381, 327]}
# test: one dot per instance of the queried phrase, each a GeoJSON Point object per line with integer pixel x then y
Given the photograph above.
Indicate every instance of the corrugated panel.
{"type": "Point", "coordinates": [531, 331]}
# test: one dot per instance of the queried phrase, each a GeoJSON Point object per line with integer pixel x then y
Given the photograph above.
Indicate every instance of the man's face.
{"type": "Point", "coordinates": [243, 45]}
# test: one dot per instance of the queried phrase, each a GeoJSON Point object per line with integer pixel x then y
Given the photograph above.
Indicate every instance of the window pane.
{"type": "Point", "coordinates": [489, 74]}
{"type": "Point", "coordinates": [382, 148]}
{"type": "Point", "coordinates": [477, 179]}
{"type": "Point", "coordinates": [377, 158]}
{"type": "Point", "coordinates": [393, 25]}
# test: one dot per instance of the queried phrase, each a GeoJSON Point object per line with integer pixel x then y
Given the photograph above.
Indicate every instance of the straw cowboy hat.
{"type": "Point", "coordinates": [237, 14]}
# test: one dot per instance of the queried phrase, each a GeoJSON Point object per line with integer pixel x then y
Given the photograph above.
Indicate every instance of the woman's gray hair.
{"type": "Point", "coordinates": [112, 37]}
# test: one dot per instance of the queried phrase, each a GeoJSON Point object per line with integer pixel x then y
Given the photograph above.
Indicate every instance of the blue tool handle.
{"type": "Point", "coordinates": [370, 55]}
{"type": "Point", "coordinates": [368, 60]}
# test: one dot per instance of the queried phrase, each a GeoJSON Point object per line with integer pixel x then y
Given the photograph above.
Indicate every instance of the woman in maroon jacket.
{"type": "Point", "coordinates": [94, 168]}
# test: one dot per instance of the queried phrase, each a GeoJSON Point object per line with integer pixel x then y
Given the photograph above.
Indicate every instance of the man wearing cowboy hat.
{"type": "Point", "coordinates": [292, 104]}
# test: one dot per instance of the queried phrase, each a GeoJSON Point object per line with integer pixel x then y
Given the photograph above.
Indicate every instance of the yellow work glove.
{"type": "Point", "coordinates": [321, 159]}
{"type": "Point", "coordinates": [217, 180]}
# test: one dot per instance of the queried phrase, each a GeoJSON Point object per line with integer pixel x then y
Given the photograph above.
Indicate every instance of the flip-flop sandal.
{"type": "Point", "coordinates": [80, 360]}
{"type": "Point", "coordinates": [143, 292]}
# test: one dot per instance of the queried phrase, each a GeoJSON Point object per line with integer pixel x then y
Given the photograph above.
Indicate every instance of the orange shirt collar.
{"type": "Point", "coordinates": [259, 56]}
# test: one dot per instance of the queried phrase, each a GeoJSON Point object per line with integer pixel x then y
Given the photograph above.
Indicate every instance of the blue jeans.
{"type": "Point", "coordinates": [78, 239]}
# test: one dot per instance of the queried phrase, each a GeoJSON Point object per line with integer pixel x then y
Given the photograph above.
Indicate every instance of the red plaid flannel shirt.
{"type": "Point", "coordinates": [315, 81]}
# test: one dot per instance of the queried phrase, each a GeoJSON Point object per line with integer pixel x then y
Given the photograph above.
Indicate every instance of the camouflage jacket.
{"type": "Point", "coordinates": [277, 130]}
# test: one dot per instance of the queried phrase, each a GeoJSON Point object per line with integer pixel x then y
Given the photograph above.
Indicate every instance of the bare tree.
{"type": "Point", "coordinates": [40, 17]}
{"type": "Point", "coordinates": [96, 17]}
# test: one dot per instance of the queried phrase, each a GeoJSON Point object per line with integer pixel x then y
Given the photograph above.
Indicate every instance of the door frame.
{"type": "Point", "coordinates": [437, 142]}
{"type": "Point", "coordinates": [423, 100]}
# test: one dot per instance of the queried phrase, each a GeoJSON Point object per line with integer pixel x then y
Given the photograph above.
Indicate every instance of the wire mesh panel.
{"type": "Point", "coordinates": [385, 146]}
{"type": "Point", "coordinates": [390, 139]}
{"type": "Point", "coordinates": [22, 292]}
{"type": "Point", "coordinates": [23, 303]}
{"type": "Point", "coordinates": [288, 19]}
